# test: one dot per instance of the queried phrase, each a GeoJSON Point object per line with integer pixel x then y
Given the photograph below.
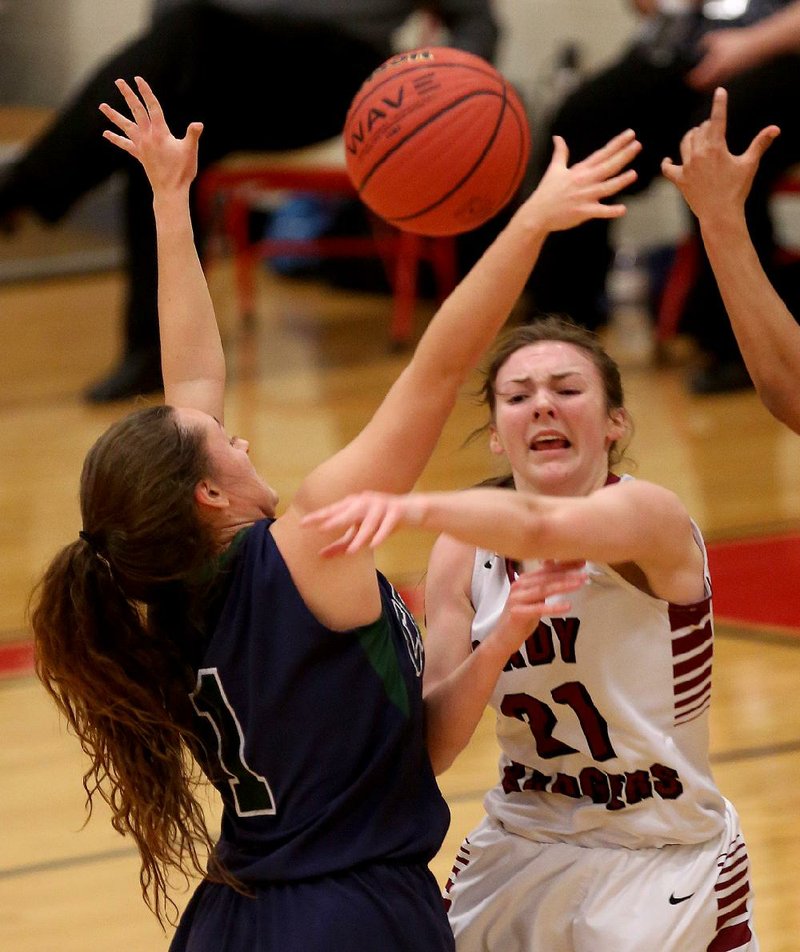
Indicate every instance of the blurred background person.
{"type": "Point", "coordinates": [261, 75]}
{"type": "Point", "coordinates": [660, 86]}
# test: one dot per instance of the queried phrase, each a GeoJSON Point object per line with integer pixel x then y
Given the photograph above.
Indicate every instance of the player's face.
{"type": "Point", "coordinates": [232, 472]}
{"type": "Point", "coordinates": [551, 420]}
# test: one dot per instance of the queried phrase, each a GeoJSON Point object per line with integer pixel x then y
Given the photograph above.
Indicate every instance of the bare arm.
{"type": "Point", "coordinates": [715, 184]}
{"type": "Point", "coordinates": [192, 360]}
{"type": "Point", "coordinates": [394, 447]}
{"type": "Point", "coordinates": [628, 522]}
{"type": "Point", "coordinates": [458, 681]}
{"type": "Point", "coordinates": [392, 450]}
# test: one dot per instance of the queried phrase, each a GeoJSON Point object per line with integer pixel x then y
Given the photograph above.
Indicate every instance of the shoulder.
{"type": "Point", "coordinates": [644, 492]}
{"type": "Point", "coordinates": [451, 560]}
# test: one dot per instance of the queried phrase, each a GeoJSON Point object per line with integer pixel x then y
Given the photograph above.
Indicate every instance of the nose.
{"type": "Point", "coordinates": [542, 406]}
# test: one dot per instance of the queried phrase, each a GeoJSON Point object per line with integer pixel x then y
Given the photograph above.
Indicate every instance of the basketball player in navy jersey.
{"type": "Point", "coordinates": [188, 619]}
{"type": "Point", "coordinates": [606, 829]}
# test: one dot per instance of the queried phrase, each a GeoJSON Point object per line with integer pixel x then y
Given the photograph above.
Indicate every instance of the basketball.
{"type": "Point", "coordinates": [436, 141]}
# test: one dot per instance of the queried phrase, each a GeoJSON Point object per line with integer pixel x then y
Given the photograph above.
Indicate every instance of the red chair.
{"type": "Point", "coordinates": [228, 191]}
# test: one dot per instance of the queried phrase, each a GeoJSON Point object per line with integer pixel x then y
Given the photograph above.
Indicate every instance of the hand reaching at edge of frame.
{"type": "Point", "coordinates": [711, 179]}
{"type": "Point", "coordinates": [170, 163]}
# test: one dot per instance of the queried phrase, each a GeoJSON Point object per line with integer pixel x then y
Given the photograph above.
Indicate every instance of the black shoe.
{"type": "Point", "coordinates": [137, 373]}
{"type": "Point", "coordinates": [724, 376]}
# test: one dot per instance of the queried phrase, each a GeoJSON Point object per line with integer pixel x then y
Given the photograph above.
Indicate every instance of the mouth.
{"type": "Point", "coordinates": [545, 442]}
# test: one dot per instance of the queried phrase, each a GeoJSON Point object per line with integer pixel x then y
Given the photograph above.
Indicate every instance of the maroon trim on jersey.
{"type": "Point", "coordinates": [733, 893]}
{"type": "Point", "coordinates": [682, 616]}
{"type": "Point", "coordinates": [692, 656]}
{"type": "Point", "coordinates": [513, 570]}
{"type": "Point", "coordinates": [461, 862]}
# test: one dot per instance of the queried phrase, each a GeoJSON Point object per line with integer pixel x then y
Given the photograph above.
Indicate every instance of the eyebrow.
{"type": "Point", "coordinates": [556, 377]}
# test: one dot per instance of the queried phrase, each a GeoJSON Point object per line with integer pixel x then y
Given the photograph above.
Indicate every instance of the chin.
{"type": "Point", "coordinates": [551, 478]}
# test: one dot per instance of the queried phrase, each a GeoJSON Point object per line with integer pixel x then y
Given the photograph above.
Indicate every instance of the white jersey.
{"type": "Point", "coordinates": [602, 716]}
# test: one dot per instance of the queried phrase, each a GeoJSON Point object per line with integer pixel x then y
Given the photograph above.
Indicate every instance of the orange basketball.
{"type": "Point", "coordinates": [436, 141]}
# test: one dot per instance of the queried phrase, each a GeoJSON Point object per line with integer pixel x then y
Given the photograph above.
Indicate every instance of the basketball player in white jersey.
{"type": "Point", "coordinates": [606, 830]}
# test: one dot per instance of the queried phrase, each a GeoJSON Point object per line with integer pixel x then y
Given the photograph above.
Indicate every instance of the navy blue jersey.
{"type": "Point", "coordinates": [317, 745]}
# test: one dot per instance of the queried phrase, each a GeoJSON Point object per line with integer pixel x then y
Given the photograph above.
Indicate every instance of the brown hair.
{"type": "Point", "coordinates": [553, 328]}
{"type": "Point", "coordinates": [116, 638]}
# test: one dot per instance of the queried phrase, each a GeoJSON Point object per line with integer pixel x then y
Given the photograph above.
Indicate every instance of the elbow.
{"type": "Point", "coordinates": [443, 745]}
{"type": "Point", "coordinates": [780, 400]}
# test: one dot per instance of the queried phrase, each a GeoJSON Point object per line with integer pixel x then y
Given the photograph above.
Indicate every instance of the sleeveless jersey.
{"type": "Point", "coordinates": [314, 737]}
{"type": "Point", "coordinates": [602, 716]}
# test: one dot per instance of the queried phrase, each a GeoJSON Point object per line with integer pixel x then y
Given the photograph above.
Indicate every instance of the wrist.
{"type": "Point", "coordinates": [529, 223]}
{"type": "Point", "coordinates": [724, 224]}
{"type": "Point", "coordinates": [417, 509]}
{"type": "Point", "coordinates": [170, 198]}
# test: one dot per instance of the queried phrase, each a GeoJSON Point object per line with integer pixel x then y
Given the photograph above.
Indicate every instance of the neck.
{"type": "Point", "coordinates": [225, 534]}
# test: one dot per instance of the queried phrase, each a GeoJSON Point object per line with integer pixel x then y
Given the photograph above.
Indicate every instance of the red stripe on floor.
{"type": "Point", "coordinates": [16, 658]}
{"type": "Point", "coordinates": [756, 581]}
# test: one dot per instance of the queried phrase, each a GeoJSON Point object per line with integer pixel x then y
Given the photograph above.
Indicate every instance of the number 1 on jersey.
{"type": "Point", "coordinates": [251, 792]}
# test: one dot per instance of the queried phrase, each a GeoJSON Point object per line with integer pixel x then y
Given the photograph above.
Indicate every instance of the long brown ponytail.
{"type": "Point", "coordinates": [121, 679]}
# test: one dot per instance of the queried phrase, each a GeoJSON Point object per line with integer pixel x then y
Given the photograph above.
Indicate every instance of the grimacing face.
{"type": "Point", "coordinates": [551, 421]}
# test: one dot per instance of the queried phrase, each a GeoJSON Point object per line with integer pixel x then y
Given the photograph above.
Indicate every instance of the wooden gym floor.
{"type": "Point", "coordinates": [303, 381]}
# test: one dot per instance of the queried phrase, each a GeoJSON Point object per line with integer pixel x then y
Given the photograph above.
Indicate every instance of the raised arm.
{"type": "Point", "coordinates": [192, 360]}
{"type": "Point", "coordinates": [629, 522]}
{"type": "Point", "coordinates": [394, 447]}
{"type": "Point", "coordinates": [715, 184]}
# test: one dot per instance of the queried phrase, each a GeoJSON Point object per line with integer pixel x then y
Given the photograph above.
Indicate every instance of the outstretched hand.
{"type": "Point", "coordinates": [711, 178]}
{"type": "Point", "coordinates": [538, 592]}
{"type": "Point", "coordinates": [169, 163]}
{"type": "Point", "coordinates": [570, 195]}
{"type": "Point", "coordinates": [534, 595]}
{"type": "Point", "coordinates": [364, 520]}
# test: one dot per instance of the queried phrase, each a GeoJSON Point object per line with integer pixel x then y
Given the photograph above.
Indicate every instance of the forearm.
{"type": "Point", "coordinates": [454, 706]}
{"type": "Point", "coordinates": [768, 335]}
{"type": "Point", "coordinates": [470, 318]}
{"type": "Point", "coordinates": [503, 521]}
{"type": "Point", "coordinates": [191, 348]}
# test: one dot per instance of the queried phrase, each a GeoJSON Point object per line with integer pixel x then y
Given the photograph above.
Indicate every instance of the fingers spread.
{"type": "Point", "coordinates": [125, 144]}
{"type": "Point", "coordinates": [138, 111]}
{"type": "Point", "coordinates": [149, 99]}
{"type": "Point", "coordinates": [122, 122]}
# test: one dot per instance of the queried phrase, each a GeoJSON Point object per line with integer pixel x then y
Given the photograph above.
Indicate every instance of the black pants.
{"type": "Point", "coordinates": [256, 82]}
{"type": "Point", "coordinates": [654, 101]}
